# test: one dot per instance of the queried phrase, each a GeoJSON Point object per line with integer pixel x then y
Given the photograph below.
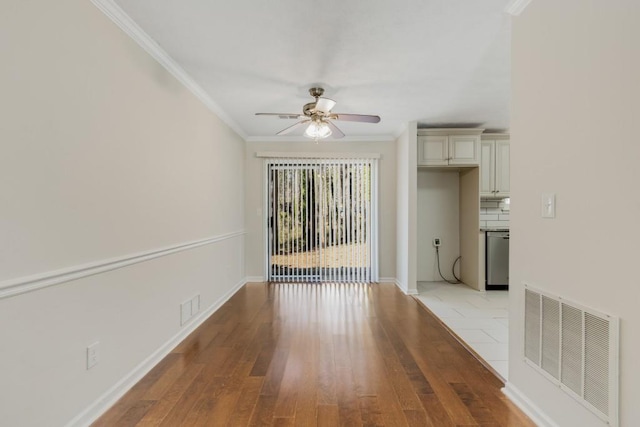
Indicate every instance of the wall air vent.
{"type": "Point", "coordinates": [576, 348]}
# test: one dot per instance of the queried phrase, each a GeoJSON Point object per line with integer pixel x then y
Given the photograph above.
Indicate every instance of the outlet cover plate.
{"type": "Point", "coordinates": [185, 312]}
{"type": "Point", "coordinates": [93, 354]}
{"type": "Point", "coordinates": [195, 304]}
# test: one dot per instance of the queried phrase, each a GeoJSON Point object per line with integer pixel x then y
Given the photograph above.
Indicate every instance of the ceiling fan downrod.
{"type": "Point", "coordinates": [316, 92]}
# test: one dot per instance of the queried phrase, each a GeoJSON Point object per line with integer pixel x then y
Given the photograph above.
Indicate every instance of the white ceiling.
{"type": "Point", "coordinates": [440, 62]}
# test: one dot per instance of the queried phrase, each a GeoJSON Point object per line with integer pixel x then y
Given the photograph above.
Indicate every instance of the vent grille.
{"type": "Point", "coordinates": [596, 365]}
{"type": "Point", "coordinates": [576, 348]}
{"type": "Point", "coordinates": [572, 333]}
{"type": "Point", "coordinates": [551, 336]}
{"type": "Point", "coordinates": [532, 326]}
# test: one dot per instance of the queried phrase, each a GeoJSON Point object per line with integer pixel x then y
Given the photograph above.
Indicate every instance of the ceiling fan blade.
{"type": "Point", "coordinates": [292, 127]}
{"type": "Point", "coordinates": [335, 132]}
{"type": "Point", "coordinates": [282, 115]}
{"type": "Point", "coordinates": [356, 118]}
{"type": "Point", "coordinates": [324, 105]}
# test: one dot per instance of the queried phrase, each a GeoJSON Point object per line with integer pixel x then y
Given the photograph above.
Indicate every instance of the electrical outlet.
{"type": "Point", "coordinates": [185, 312]}
{"type": "Point", "coordinates": [93, 354]}
{"type": "Point", "coordinates": [436, 242]}
{"type": "Point", "coordinates": [195, 304]}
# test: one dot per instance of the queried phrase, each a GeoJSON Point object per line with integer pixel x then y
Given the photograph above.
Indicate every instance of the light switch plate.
{"type": "Point", "coordinates": [548, 205]}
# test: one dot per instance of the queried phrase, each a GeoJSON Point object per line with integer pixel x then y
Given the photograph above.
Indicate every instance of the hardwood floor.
{"type": "Point", "coordinates": [318, 354]}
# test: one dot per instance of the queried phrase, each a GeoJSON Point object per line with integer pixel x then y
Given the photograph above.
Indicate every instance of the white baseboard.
{"type": "Point", "coordinates": [111, 396]}
{"type": "Point", "coordinates": [410, 292]}
{"type": "Point", "coordinates": [397, 283]}
{"type": "Point", "coordinates": [527, 406]}
{"type": "Point", "coordinates": [255, 279]}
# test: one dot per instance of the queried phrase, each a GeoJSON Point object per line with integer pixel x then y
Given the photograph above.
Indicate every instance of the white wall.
{"type": "Point", "coordinates": [471, 252]}
{"type": "Point", "coordinates": [406, 205]}
{"type": "Point", "coordinates": [104, 155]}
{"type": "Point", "coordinates": [575, 111]}
{"type": "Point", "coordinates": [254, 197]}
{"type": "Point", "coordinates": [438, 216]}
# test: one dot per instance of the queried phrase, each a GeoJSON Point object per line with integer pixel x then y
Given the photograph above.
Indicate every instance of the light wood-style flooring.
{"type": "Point", "coordinates": [318, 354]}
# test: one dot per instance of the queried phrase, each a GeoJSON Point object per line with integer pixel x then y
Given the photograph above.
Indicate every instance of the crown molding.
{"type": "Point", "coordinates": [515, 7]}
{"type": "Point", "coordinates": [401, 129]}
{"type": "Point", "coordinates": [450, 131]}
{"type": "Point", "coordinates": [410, 126]}
{"type": "Point", "coordinates": [133, 30]}
{"type": "Point", "coordinates": [321, 155]}
{"type": "Point", "coordinates": [302, 139]}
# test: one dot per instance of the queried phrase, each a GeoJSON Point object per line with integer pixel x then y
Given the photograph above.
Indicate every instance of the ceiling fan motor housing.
{"type": "Point", "coordinates": [316, 92]}
{"type": "Point", "coordinates": [310, 108]}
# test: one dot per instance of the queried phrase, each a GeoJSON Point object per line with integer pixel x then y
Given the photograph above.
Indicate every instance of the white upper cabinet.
{"type": "Point", "coordinates": [448, 147]}
{"type": "Point", "coordinates": [502, 168]}
{"type": "Point", "coordinates": [494, 165]}
{"type": "Point", "coordinates": [463, 149]}
{"type": "Point", "coordinates": [487, 168]}
{"type": "Point", "coordinates": [433, 150]}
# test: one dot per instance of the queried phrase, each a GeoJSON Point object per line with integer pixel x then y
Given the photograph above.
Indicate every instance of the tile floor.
{"type": "Point", "coordinates": [479, 318]}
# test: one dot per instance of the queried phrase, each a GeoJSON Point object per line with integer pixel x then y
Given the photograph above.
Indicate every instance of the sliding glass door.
{"type": "Point", "coordinates": [321, 219]}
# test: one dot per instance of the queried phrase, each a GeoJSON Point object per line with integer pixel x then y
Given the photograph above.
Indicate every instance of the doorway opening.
{"type": "Point", "coordinates": [321, 220]}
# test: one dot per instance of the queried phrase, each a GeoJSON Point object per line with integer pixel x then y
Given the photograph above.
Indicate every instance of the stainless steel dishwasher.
{"type": "Point", "coordinates": [497, 258]}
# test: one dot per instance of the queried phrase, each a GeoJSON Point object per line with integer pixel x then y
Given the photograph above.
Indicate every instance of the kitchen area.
{"type": "Point", "coordinates": [494, 208]}
{"type": "Point", "coordinates": [463, 237]}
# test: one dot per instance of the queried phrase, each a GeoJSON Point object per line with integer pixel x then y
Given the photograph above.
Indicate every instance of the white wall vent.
{"type": "Point", "coordinates": [576, 348]}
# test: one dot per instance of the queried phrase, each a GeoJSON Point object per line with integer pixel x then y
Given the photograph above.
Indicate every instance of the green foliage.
{"type": "Point", "coordinates": [320, 205]}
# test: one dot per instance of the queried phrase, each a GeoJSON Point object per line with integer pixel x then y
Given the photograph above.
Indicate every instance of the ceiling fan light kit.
{"type": "Point", "coordinates": [319, 117]}
{"type": "Point", "coordinates": [317, 130]}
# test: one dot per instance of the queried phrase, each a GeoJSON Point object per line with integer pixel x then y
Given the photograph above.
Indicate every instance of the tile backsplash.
{"type": "Point", "coordinates": [494, 213]}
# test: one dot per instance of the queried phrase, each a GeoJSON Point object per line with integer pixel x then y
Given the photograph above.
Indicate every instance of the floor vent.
{"type": "Point", "coordinates": [576, 348]}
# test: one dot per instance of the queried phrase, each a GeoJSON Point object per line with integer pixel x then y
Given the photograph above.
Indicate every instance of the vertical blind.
{"type": "Point", "coordinates": [320, 220]}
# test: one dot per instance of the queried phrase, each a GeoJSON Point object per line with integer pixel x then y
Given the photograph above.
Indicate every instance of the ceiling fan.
{"type": "Point", "coordinates": [317, 116]}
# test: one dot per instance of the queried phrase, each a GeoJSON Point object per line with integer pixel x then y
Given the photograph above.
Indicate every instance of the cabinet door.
{"type": "Point", "coordinates": [502, 169]}
{"type": "Point", "coordinates": [433, 150]}
{"type": "Point", "coordinates": [487, 168]}
{"type": "Point", "coordinates": [463, 150]}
